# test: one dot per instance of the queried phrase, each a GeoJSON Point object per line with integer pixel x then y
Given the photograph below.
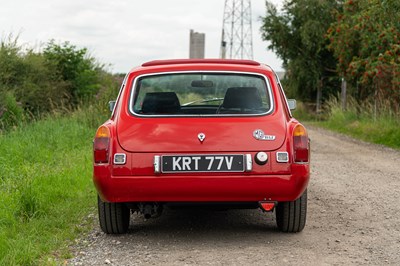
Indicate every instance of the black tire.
{"type": "Point", "coordinates": [113, 217]}
{"type": "Point", "coordinates": [291, 215]}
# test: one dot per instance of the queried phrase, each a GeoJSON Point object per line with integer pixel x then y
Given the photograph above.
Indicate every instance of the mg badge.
{"type": "Point", "coordinates": [259, 135]}
{"type": "Point", "coordinates": [201, 137]}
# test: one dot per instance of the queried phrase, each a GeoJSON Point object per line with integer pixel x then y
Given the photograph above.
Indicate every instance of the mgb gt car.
{"type": "Point", "coordinates": [207, 132]}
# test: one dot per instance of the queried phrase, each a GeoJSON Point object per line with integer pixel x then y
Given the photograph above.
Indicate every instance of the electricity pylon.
{"type": "Point", "coordinates": [237, 39]}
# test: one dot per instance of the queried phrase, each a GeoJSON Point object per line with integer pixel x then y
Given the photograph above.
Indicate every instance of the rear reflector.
{"type": "Point", "coordinates": [119, 158]}
{"type": "Point", "coordinates": [282, 157]}
{"type": "Point", "coordinates": [267, 206]}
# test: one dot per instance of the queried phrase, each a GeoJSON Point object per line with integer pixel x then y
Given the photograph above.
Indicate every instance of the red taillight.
{"type": "Point", "coordinates": [301, 146]}
{"type": "Point", "coordinates": [101, 145]}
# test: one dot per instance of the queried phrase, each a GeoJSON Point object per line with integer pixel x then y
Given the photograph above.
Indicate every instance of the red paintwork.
{"type": "Point", "coordinates": [143, 138]}
{"type": "Point", "coordinates": [197, 61]}
{"type": "Point", "coordinates": [232, 135]}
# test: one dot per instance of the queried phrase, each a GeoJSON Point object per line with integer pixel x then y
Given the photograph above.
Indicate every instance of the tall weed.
{"type": "Point", "coordinates": [371, 121]}
{"type": "Point", "coordinates": [304, 112]}
{"type": "Point", "coordinates": [28, 202]}
{"type": "Point", "coordinates": [11, 113]}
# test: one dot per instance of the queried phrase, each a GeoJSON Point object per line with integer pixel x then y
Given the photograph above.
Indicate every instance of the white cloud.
{"type": "Point", "coordinates": [126, 33]}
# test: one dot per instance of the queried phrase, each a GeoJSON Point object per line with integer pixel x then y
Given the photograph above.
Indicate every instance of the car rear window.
{"type": "Point", "coordinates": [210, 94]}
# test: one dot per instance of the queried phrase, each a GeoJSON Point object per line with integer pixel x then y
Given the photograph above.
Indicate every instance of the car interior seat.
{"type": "Point", "coordinates": [161, 103]}
{"type": "Point", "coordinates": [242, 98]}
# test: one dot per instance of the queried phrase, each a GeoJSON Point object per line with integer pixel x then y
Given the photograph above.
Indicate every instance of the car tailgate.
{"type": "Point", "coordinates": [181, 134]}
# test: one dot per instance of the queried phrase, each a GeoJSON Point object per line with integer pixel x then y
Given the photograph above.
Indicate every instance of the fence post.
{"type": "Point", "coordinates": [343, 94]}
{"type": "Point", "coordinates": [319, 95]}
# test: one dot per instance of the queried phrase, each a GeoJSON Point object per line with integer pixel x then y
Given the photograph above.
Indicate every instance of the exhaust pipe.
{"type": "Point", "coordinates": [150, 210]}
{"type": "Point", "coordinates": [147, 211]}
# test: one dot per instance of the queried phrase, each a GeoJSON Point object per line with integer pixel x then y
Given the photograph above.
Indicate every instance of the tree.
{"type": "Point", "coordinates": [298, 36]}
{"type": "Point", "coordinates": [26, 82]}
{"type": "Point", "coordinates": [76, 67]}
{"type": "Point", "coordinates": [366, 40]}
{"type": "Point", "coordinates": [33, 83]}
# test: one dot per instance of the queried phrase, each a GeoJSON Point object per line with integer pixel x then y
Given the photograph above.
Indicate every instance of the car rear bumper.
{"type": "Point", "coordinates": [189, 188]}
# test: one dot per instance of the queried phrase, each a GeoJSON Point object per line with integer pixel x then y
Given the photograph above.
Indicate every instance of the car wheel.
{"type": "Point", "coordinates": [291, 215]}
{"type": "Point", "coordinates": [113, 217]}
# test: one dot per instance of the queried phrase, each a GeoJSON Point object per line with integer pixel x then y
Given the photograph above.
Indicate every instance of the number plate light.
{"type": "Point", "coordinates": [249, 163]}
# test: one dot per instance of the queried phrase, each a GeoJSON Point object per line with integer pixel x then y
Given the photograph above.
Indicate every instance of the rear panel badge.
{"type": "Point", "coordinates": [201, 137]}
{"type": "Point", "coordinates": [259, 135]}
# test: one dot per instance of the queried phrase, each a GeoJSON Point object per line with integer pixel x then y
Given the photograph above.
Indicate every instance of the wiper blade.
{"type": "Point", "coordinates": [203, 101]}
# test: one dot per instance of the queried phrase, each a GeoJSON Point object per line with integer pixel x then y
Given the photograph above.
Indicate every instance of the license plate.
{"type": "Point", "coordinates": [202, 163]}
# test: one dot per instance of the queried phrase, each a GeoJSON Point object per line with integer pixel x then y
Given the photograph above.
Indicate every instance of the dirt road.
{"type": "Point", "coordinates": [353, 219]}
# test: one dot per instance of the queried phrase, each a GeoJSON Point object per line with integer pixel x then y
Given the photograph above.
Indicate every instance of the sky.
{"type": "Point", "coordinates": [126, 33]}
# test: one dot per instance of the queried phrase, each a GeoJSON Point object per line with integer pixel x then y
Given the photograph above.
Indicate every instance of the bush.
{"type": "Point", "coordinates": [11, 112]}
{"type": "Point", "coordinates": [29, 86]}
{"type": "Point", "coordinates": [76, 68]}
{"type": "Point", "coordinates": [59, 79]}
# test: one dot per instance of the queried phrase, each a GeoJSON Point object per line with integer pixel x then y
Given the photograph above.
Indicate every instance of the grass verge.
{"type": "Point", "coordinates": [46, 188]}
{"type": "Point", "coordinates": [360, 121]}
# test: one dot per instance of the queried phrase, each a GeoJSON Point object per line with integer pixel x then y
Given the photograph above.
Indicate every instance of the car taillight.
{"type": "Point", "coordinates": [101, 145]}
{"type": "Point", "coordinates": [300, 145]}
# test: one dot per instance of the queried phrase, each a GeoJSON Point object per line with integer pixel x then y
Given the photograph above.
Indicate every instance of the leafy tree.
{"type": "Point", "coordinates": [366, 40]}
{"type": "Point", "coordinates": [76, 67]}
{"type": "Point", "coordinates": [297, 35]}
{"type": "Point", "coordinates": [59, 78]}
{"type": "Point", "coordinates": [26, 79]}
{"type": "Point", "coordinates": [11, 66]}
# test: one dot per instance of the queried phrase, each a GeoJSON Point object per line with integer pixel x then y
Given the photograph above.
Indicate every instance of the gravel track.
{"type": "Point", "coordinates": [353, 219]}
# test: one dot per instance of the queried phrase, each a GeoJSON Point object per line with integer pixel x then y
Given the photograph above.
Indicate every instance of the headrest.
{"type": "Point", "coordinates": [242, 97]}
{"type": "Point", "coordinates": [161, 103]}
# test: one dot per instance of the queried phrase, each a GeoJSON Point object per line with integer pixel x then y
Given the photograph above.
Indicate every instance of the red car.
{"type": "Point", "coordinates": [210, 132]}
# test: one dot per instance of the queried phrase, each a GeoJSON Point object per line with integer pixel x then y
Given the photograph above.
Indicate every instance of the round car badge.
{"type": "Point", "coordinates": [201, 137]}
{"type": "Point", "coordinates": [259, 135]}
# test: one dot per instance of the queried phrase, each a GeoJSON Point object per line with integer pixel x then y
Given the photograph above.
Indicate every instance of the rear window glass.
{"type": "Point", "coordinates": [201, 94]}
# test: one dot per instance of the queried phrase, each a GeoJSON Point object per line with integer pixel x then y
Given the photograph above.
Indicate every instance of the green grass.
{"type": "Point", "coordinates": [46, 189]}
{"type": "Point", "coordinates": [381, 130]}
{"type": "Point", "coordinates": [359, 121]}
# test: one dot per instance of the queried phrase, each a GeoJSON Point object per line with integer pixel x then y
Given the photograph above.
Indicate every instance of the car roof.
{"type": "Point", "coordinates": [200, 61]}
{"type": "Point", "coordinates": [204, 63]}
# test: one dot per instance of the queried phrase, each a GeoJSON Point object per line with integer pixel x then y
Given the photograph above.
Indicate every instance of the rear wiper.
{"type": "Point", "coordinates": [203, 101]}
